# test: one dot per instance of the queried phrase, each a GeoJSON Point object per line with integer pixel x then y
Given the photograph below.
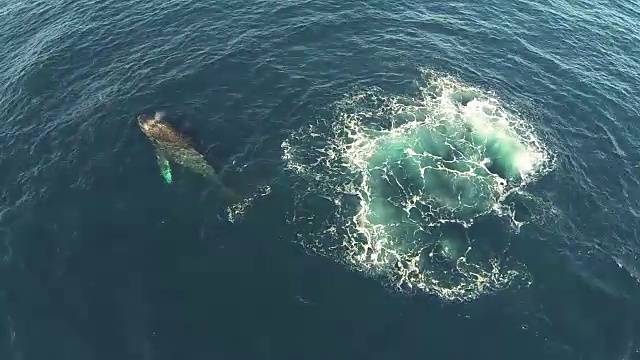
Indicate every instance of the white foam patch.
{"type": "Point", "coordinates": [377, 186]}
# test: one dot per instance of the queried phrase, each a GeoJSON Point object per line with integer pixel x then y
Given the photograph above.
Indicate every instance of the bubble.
{"type": "Point", "coordinates": [403, 180]}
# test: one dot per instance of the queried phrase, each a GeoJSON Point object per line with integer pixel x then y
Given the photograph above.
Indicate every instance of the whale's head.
{"type": "Point", "coordinates": [145, 123]}
{"type": "Point", "coordinates": [150, 125]}
{"type": "Point", "coordinates": [155, 128]}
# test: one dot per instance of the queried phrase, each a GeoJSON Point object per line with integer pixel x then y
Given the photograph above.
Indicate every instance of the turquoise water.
{"type": "Point", "coordinates": [449, 180]}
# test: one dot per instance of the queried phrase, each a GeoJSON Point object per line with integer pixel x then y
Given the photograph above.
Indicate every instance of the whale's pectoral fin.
{"type": "Point", "coordinates": [165, 168]}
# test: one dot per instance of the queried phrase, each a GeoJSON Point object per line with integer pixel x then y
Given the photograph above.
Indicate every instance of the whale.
{"type": "Point", "coordinates": [172, 146]}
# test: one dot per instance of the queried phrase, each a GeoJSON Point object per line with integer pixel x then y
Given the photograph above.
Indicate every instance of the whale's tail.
{"type": "Point", "coordinates": [227, 194]}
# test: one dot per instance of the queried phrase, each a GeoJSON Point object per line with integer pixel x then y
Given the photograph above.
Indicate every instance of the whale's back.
{"type": "Point", "coordinates": [161, 131]}
{"type": "Point", "coordinates": [166, 133]}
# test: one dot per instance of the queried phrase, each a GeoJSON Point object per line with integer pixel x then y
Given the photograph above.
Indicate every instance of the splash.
{"type": "Point", "coordinates": [236, 211]}
{"type": "Point", "coordinates": [392, 185]}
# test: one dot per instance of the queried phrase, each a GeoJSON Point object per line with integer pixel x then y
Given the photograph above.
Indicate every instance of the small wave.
{"type": "Point", "coordinates": [236, 211]}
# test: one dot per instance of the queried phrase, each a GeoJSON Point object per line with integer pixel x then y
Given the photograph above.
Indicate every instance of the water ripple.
{"type": "Point", "coordinates": [75, 73]}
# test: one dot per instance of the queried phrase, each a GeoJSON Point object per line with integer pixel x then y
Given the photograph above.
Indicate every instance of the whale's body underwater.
{"type": "Point", "coordinates": [172, 146]}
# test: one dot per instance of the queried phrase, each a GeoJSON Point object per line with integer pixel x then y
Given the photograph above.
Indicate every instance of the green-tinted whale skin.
{"type": "Point", "coordinates": [165, 167]}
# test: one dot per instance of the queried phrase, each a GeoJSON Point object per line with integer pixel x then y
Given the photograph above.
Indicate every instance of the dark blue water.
{"type": "Point", "coordinates": [103, 260]}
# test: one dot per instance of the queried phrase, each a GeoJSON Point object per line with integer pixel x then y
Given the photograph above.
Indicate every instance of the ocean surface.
{"type": "Point", "coordinates": [418, 180]}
